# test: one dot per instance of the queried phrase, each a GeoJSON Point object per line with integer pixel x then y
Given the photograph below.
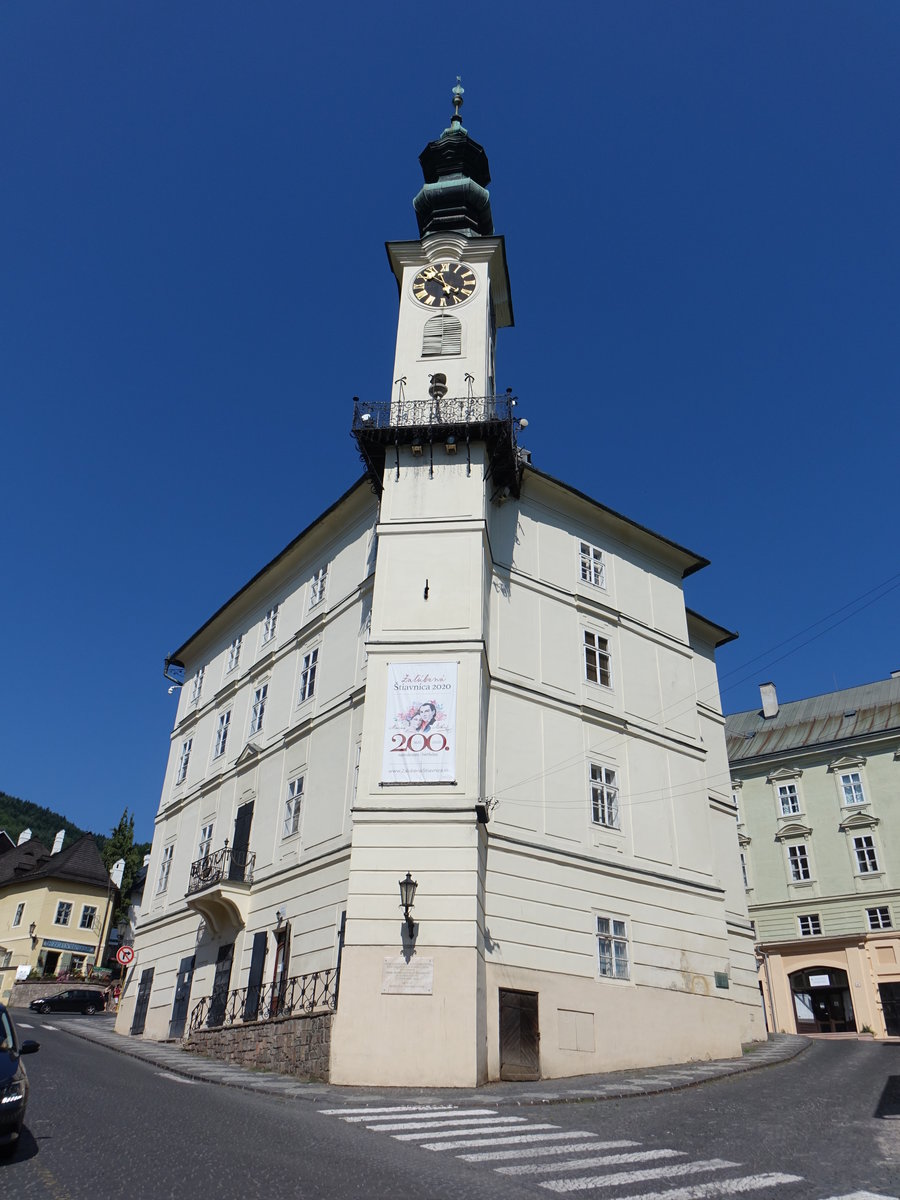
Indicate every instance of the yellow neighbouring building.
{"type": "Point", "coordinates": [54, 909]}
{"type": "Point", "coordinates": [816, 783]}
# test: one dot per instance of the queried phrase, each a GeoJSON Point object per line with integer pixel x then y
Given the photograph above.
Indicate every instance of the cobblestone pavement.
{"type": "Point", "coordinates": [169, 1057]}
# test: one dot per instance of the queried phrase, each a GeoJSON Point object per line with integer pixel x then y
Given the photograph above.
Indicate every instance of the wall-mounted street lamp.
{"type": "Point", "coordinates": [31, 933]}
{"type": "Point", "coordinates": [407, 899]}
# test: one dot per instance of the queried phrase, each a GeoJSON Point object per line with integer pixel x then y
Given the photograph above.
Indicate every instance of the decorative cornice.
{"type": "Point", "coordinates": [794, 829]}
{"type": "Point", "coordinates": [784, 773]}
{"type": "Point", "coordinates": [849, 760]}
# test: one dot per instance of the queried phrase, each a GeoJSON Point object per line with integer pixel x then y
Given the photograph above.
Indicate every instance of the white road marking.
{"type": "Point", "coordinates": [698, 1191]}
{"type": "Point", "coordinates": [474, 1143]}
{"type": "Point", "coordinates": [22, 1025]}
{"type": "Point", "coordinates": [54, 1027]}
{"type": "Point", "coordinates": [467, 1130]}
{"type": "Point", "coordinates": [397, 1108]}
{"type": "Point", "coordinates": [446, 1122]}
{"type": "Point", "coordinates": [541, 1151]}
{"type": "Point", "coordinates": [577, 1164]}
{"type": "Point", "coordinates": [620, 1177]}
{"type": "Point", "coordinates": [175, 1078]}
{"type": "Point", "coordinates": [425, 1114]}
{"type": "Point", "coordinates": [862, 1196]}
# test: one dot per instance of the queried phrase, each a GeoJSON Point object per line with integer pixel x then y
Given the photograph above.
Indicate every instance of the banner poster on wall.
{"type": "Point", "coordinates": [420, 723]}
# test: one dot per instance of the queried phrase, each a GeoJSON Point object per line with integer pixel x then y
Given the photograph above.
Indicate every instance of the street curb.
{"type": "Point", "coordinates": [646, 1081]}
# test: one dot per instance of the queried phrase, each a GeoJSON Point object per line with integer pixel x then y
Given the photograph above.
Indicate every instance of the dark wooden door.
{"type": "Point", "coordinates": [257, 967]}
{"type": "Point", "coordinates": [142, 1003]}
{"type": "Point", "coordinates": [280, 974]}
{"type": "Point", "coordinates": [890, 1002]}
{"type": "Point", "coordinates": [219, 998]}
{"type": "Point", "coordinates": [241, 843]}
{"type": "Point", "coordinates": [182, 997]}
{"type": "Point", "coordinates": [519, 1035]}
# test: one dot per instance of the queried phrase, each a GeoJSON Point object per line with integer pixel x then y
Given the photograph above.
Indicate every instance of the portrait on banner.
{"type": "Point", "coordinates": [420, 723]}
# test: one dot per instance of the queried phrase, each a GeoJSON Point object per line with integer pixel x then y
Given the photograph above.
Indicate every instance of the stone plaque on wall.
{"type": "Point", "coordinates": [402, 978]}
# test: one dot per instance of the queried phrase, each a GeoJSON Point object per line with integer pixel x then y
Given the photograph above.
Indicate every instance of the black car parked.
{"type": "Point", "coordinates": [83, 1000]}
{"type": "Point", "coordinates": [13, 1082]}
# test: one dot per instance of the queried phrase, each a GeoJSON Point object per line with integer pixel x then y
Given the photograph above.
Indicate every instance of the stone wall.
{"type": "Point", "coordinates": [295, 1045]}
{"type": "Point", "coordinates": [27, 990]}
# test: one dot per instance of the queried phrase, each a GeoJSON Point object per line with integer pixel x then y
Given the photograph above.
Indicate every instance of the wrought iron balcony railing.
{"type": "Point", "coordinates": [422, 414]}
{"type": "Point", "coordinates": [315, 992]}
{"type": "Point", "coordinates": [228, 865]}
{"type": "Point", "coordinates": [456, 422]}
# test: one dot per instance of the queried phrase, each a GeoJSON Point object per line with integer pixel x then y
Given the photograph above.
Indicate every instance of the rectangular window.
{"type": "Point", "coordinates": [810, 925]}
{"type": "Point", "coordinates": [234, 653]}
{"type": "Point", "coordinates": [593, 566]}
{"type": "Point", "coordinates": [184, 760]}
{"type": "Point", "coordinates": [197, 685]}
{"type": "Point", "coordinates": [63, 913]}
{"type": "Point", "coordinates": [292, 807]}
{"type": "Point", "coordinates": [612, 948]}
{"type": "Point", "coordinates": [604, 796]}
{"type": "Point", "coordinates": [744, 875]}
{"type": "Point", "coordinates": [852, 788]}
{"type": "Point", "coordinates": [17, 919]}
{"type": "Point", "coordinates": [164, 868]}
{"type": "Point", "coordinates": [317, 587]}
{"type": "Point", "coordinates": [222, 734]}
{"type": "Point", "coordinates": [788, 799]}
{"type": "Point", "coordinates": [879, 918]}
{"type": "Point", "coordinates": [799, 862]}
{"type": "Point", "coordinates": [269, 624]}
{"type": "Point", "coordinates": [88, 916]}
{"type": "Point", "coordinates": [866, 860]}
{"type": "Point", "coordinates": [259, 708]}
{"type": "Point", "coordinates": [308, 675]}
{"type": "Point", "coordinates": [205, 841]}
{"type": "Point", "coordinates": [596, 658]}
{"type": "Point", "coordinates": [736, 800]}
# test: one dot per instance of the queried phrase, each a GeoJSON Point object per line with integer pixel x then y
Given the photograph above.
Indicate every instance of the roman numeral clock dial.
{"type": "Point", "coordinates": [444, 284]}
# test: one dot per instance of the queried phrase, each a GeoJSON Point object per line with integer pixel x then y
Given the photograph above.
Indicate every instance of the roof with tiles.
{"type": "Point", "coordinates": [850, 715]}
{"type": "Point", "coordinates": [32, 860]}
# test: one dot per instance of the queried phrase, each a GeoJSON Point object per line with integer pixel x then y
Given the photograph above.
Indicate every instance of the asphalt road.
{"type": "Point", "coordinates": [824, 1125]}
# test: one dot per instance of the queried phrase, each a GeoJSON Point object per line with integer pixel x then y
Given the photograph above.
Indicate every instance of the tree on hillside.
{"type": "Point", "coordinates": [121, 844]}
{"type": "Point", "coordinates": [16, 815]}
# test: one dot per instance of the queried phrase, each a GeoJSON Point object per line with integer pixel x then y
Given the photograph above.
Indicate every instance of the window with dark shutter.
{"type": "Point", "coordinates": [443, 336]}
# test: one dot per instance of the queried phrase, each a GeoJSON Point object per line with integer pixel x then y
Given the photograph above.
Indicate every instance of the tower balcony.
{"type": "Point", "coordinates": [451, 422]}
{"type": "Point", "coordinates": [219, 888]}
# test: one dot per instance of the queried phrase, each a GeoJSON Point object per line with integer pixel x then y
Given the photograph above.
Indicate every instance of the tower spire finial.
{"type": "Point", "coordinates": [456, 119]}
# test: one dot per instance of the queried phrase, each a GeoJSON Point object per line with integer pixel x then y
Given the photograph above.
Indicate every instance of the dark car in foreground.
{"type": "Point", "coordinates": [13, 1082]}
{"type": "Point", "coordinates": [83, 1000]}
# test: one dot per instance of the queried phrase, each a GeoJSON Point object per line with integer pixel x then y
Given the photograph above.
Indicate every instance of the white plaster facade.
{"type": "Point", "coordinates": [446, 566]}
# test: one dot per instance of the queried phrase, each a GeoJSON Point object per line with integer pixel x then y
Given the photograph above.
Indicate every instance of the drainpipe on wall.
{"type": "Point", "coordinates": [773, 1028]}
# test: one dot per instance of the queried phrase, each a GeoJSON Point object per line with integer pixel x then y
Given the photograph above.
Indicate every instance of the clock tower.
{"type": "Point", "coordinates": [441, 453]}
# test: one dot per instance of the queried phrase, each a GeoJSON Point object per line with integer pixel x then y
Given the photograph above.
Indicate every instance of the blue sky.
{"type": "Point", "coordinates": [700, 204]}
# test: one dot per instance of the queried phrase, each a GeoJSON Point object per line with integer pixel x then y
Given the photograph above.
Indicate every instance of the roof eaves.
{"type": "Point", "coordinates": [695, 562]}
{"type": "Point", "coordinates": [364, 479]}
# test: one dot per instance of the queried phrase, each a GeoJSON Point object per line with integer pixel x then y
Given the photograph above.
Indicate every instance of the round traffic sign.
{"type": "Point", "coordinates": [125, 956]}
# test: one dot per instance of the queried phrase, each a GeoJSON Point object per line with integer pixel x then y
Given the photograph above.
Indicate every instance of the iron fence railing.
{"type": "Point", "coordinates": [316, 991]}
{"type": "Point", "coordinates": [235, 866]}
{"type": "Point", "coordinates": [448, 410]}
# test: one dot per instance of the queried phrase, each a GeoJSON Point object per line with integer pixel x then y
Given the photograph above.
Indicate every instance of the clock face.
{"type": "Point", "coordinates": [444, 284]}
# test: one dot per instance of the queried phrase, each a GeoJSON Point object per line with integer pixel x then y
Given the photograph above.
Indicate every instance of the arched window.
{"type": "Point", "coordinates": [443, 336]}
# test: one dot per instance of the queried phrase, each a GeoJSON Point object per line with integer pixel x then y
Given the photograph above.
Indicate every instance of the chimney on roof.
{"type": "Point", "coordinates": [769, 698]}
{"type": "Point", "coordinates": [24, 836]}
{"type": "Point", "coordinates": [58, 841]}
{"type": "Point", "coordinates": [895, 674]}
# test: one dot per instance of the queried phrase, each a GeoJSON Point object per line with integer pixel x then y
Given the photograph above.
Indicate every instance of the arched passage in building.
{"type": "Point", "coordinates": [822, 1001]}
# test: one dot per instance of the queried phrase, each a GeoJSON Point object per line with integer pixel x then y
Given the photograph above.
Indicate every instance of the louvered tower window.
{"type": "Point", "coordinates": [443, 336]}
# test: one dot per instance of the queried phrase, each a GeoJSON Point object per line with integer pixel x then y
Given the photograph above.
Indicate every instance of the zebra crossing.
{"type": "Point", "coordinates": [563, 1161]}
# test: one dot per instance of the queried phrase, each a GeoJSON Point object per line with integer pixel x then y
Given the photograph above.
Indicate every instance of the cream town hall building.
{"type": "Point", "coordinates": [469, 677]}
